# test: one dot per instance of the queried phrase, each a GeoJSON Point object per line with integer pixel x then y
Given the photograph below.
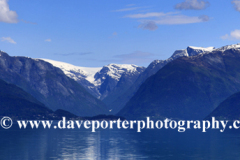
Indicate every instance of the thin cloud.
{"type": "Point", "coordinates": [149, 25]}
{"type": "Point", "coordinates": [192, 5]}
{"type": "Point", "coordinates": [8, 39]}
{"type": "Point", "coordinates": [130, 7]}
{"type": "Point", "coordinates": [236, 5]}
{"type": "Point", "coordinates": [137, 57]}
{"type": "Point", "coordinates": [48, 40]}
{"type": "Point", "coordinates": [234, 35]}
{"type": "Point", "coordinates": [127, 9]}
{"type": "Point", "coordinates": [74, 54]}
{"type": "Point", "coordinates": [181, 19]}
{"type": "Point", "coordinates": [6, 15]}
{"type": "Point", "coordinates": [151, 20]}
{"type": "Point", "coordinates": [204, 18]}
{"type": "Point", "coordinates": [147, 15]}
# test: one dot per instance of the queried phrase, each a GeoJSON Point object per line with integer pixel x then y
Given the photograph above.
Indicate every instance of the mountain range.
{"type": "Point", "coordinates": [115, 84]}
{"type": "Point", "coordinates": [153, 67]}
{"type": "Point", "coordinates": [106, 83]}
{"type": "Point", "coordinates": [188, 85]}
{"type": "Point", "coordinates": [49, 85]}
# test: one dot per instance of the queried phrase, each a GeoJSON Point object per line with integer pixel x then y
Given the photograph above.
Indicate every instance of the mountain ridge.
{"type": "Point", "coordinates": [105, 85]}
{"type": "Point", "coordinates": [188, 87]}
{"type": "Point", "coordinates": [49, 85]}
{"type": "Point", "coordinates": [103, 81]}
{"type": "Point", "coordinates": [152, 68]}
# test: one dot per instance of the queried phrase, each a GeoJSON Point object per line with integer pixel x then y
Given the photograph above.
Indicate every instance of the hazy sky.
{"type": "Point", "coordinates": [94, 33]}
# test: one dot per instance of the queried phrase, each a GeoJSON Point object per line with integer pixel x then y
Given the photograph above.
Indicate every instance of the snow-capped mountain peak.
{"type": "Point", "coordinates": [98, 81]}
{"type": "Point", "coordinates": [179, 53]}
{"type": "Point", "coordinates": [75, 72]}
{"type": "Point", "coordinates": [116, 70]}
{"type": "Point", "coordinates": [209, 49]}
{"type": "Point", "coordinates": [188, 52]}
{"type": "Point", "coordinates": [233, 46]}
{"type": "Point", "coordinates": [192, 51]}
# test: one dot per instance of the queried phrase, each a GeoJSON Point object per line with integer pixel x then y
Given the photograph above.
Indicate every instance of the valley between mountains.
{"type": "Point", "coordinates": [193, 83]}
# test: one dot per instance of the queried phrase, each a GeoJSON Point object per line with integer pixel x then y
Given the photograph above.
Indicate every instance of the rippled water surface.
{"type": "Point", "coordinates": [117, 144]}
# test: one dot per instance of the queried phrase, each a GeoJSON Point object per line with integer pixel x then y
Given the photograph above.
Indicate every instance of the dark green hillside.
{"type": "Point", "coordinates": [229, 109]}
{"type": "Point", "coordinates": [188, 87]}
{"type": "Point", "coordinates": [18, 104]}
{"type": "Point", "coordinates": [49, 85]}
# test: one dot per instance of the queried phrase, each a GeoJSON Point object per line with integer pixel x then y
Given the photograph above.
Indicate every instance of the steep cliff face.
{"type": "Point", "coordinates": [188, 87]}
{"type": "Point", "coordinates": [49, 85]}
{"type": "Point", "coordinates": [18, 104]}
{"type": "Point", "coordinates": [101, 82]}
{"type": "Point", "coordinates": [83, 75]}
{"type": "Point", "coordinates": [106, 83]}
{"type": "Point", "coordinates": [120, 83]}
{"type": "Point", "coordinates": [153, 68]}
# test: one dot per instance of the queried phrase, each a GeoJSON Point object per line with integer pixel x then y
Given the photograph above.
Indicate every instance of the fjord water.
{"type": "Point", "coordinates": [28, 144]}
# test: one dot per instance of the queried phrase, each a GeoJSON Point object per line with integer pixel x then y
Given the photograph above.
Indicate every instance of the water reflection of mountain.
{"type": "Point", "coordinates": [117, 144]}
{"type": "Point", "coordinates": [66, 144]}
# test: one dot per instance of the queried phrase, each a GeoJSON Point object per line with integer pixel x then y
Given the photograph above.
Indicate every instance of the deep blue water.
{"type": "Point", "coordinates": [117, 144]}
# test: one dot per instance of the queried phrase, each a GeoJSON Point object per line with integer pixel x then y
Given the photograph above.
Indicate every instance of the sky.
{"type": "Point", "coordinates": [95, 33]}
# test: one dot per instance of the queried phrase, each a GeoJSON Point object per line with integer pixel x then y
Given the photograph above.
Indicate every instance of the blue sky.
{"type": "Point", "coordinates": [94, 33]}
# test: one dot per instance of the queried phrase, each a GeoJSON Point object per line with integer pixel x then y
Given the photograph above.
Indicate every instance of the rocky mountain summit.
{"type": "Point", "coordinates": [49, 85]}
{"type": "Point", "coordinates": [153, 67]}
{"type": "Point", "coordinates": [106, 82]}
{"type": "Point", "coordinates": [188, 87]}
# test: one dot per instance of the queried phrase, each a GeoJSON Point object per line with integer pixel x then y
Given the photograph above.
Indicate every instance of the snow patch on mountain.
{"type": "Point", "coordinates": [190, 51]}
{"type": "Point", "coordinates": [179, 53]}
{"type": "Point", "coordinates": [233, 46]}
{"type": "Point", "coordinates": [116, 70]}
{"type": "Point", "coordinates": [98, 81]}
{"type": "Point", "coordinates": [76, 72]}
{"type": "Point", "coordinates": [208, 49]}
